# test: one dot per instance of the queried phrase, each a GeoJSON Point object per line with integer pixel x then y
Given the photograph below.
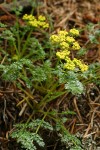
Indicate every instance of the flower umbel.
{"type": "Point", "coordinates": [64, 45]}
{"type": "Point", "coordinates": [28, 17]}
{"type": "Point", "coordinates": [74, 32]}
{"type": "Point", "coordinates": [69, 64]}
{"type": "Point", "coordinates": [32, 21]}
{"type": "Point", "coordinates": [66, 42]}
{"type": "Point", "coordinates": [70, 39]}
{"type": "Point", "coordinates": [82, 66]}
{"type": "Point", "coordinates": [76, 46]}
{"type": "Point", "coordinates": [63, 54]}
{"type": "Point", "coordinates": [41, 18]}
{"type": "Point", "coordinates": [54, 39]}
{"type": "Point", "coordinates": [62, 32]}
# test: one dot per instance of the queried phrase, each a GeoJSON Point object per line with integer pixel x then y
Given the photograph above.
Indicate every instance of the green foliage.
{"type": "Point", "coordinates": [70, 79]}
{"type": "Point", "coordinates": [34, 124]}
{"type": "Point", "coordinates": [3, 25]}
{"type": "Point", "coordinates": [26, 139]}
{"type": "Point", "coordinates": [8, 35]}
{"type": "Point", "coordinates": [29, 56]}
{"type": "Point", "coordinates": [93, 74]}
{"type": "Point", "coordinates": [27, 60]}
{"type": "Point", "coordinates": [82, 51]}
{"type": "Point", "coordinates": [73, 84]}
{"type": "Point", "coordinates": [41, 73]}
{"type": "Point", "coordinates": [35, 50]}
{"type": "Point", "coordinates": [27, 135]}
{"type": "Point", "coordinates": [94, 33]}
{"type": "Point", "coordinates": [12, 72]}
{"type": "Point", "coordinates": [75, 87]}
{"type": "Point", "coordinates": [38, 74]}
{"type": "Point", "coordinates": [70, 141]}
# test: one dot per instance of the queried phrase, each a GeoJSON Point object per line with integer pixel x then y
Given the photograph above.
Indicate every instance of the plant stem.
{"type": "Point", "coordinates": [42, 120]}
{"type": "Point", "coordinates": [26, 42]}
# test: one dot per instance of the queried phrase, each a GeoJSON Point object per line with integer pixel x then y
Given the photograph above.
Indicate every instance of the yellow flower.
{"type": "Point", "coordinates": [62, 54]}
{"type": "Point", "coordinates": [41, 18]}
{"type": "Point", "coordinates": [62, 32]}
{"type": "Point", "coordinates": [70, 66]}
{"type": "Point", "coordinates": [43, 24]}
{"type": "Point", "coordinates": [65, 52]}
{"type": "Point", "coordinates": [70, 39]}
{"type": "Point", "coordinates": [77, 62]}
{"type": "Point", "coordinates": [54, 38]}
{"type": "Point", "coordinates": [76, 46]}
{"type": "Point", "coordinates": [83, 67]}
{"type": "Point", "coordinates": [46, 25]}
{"type": "Point", "coordinates": [74, 32]}
{"type": "Point", "coordinates": [62, 38]}
{"type": "Point", "coordinates": [67, 59]}
{"type": "Point", "coordinates": [58, 54]}
{"type": "Point", "coordinates": [64, 45]}
{"type": "Point", "coordinates": [33, 23]}
{"type": "Point", "coordinates": [62, 35]}
{"type": "Point", "coordinates": [28, 17]}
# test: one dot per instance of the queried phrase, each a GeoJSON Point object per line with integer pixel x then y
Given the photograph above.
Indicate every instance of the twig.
{"type": "Point", "coordinates": [87, 130]}
{"type": "Point", "coordinates": [76, 107]}
{"type": "Point", "coordinates": [23, 109]}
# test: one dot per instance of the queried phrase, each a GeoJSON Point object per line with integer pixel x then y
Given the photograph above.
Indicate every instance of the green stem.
{"type": "Point", "coordinates": [47, 95]}
{"type": "Point", "coordinates": [25, 45]}
{"type": "Point", "coordinates": [42, 120]}
{"type": "Point", "coordinates": [16, 49]}
{"type": "Point", "coordinates": [18, 37]}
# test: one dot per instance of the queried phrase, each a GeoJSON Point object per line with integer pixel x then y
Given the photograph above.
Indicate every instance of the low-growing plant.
{"type": "Point", "coordinates": [27, 60]}
{"type": "Point", "coordinates": [30, 137]}
{"type": "Point", "coordinates": [27, 134]}
{"type": "Point", "coordinates": [33, 59]}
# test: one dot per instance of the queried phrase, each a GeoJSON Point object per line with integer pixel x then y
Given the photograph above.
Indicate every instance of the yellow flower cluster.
{"type": "Point", "coordinates": [70, 39]}
{"type": "Point", "coordinates": [32, 21]}
{"type": "Point", "coordinates": [74, 32]}
{"type": "Point", "coordinates": [82, 66]}
{"type": "Point", "coordinates": [41, 18]}
{"type": "Point", "coordinates": [76, 46]}
{"type": "Point", "coordinates": [64, 45]}
{"type": "Point", "coordinates": [62, 32]}
{"type": "Point", "coordinates": [28, 17]}
{"type": "Point", "coordinates": [66, 42]}
{"type": "Point", "coordinates": [61, 37]}
{"type": "Point", "coordinates": [63, 54]}
{"type": "Point", "coordinates": [69, 64]}
{"type": "Point", "coordinates": [54, 39]}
